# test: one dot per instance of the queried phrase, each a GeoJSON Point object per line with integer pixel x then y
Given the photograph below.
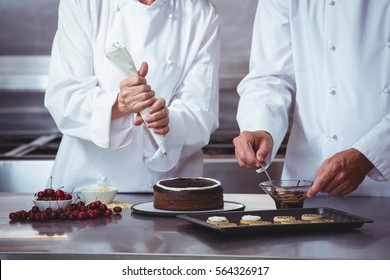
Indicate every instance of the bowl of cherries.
{"type": "Point", "coordinates": [51, 198]}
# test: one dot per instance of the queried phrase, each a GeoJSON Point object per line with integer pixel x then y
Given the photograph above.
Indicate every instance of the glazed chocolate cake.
{"type": "Point", "coordinates": [188, 194]}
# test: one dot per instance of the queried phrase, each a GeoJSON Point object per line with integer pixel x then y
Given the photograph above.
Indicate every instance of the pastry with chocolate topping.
{"type": "Point", "coordinates": [188, 194]}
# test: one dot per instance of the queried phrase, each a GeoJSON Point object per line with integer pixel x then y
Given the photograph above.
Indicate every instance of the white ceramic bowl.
{"type": "Point", "coordinates": [104, 194]}
{"type": "Point", "coordinates": [53, 204]}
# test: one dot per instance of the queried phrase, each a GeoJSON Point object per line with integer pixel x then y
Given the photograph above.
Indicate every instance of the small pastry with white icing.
{"type": "Point", "coordinates": [249, 219]}
{"type": "Point", "coordinates": [217, 220]}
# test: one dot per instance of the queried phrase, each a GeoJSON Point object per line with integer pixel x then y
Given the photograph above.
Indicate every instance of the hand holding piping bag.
{"type": "Point", "coordinates": [123, 61]}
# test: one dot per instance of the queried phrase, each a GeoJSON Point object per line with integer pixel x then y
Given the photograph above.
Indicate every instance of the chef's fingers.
{"type": "Point", "coordinates": [244, 152]}
{"type": "Point", "coordinates": [159, 121]}
{"type": "Point", "coordinates": [343, 171]}
{"type": "Point", "coordinates": [131, 81]}
{"type": "Point", "coordinates": [162, 130]}
{"type": "Point", "coordinates": [341, 189]}
{"type": "Point", "coordinates": [331, 180]}
{"type": "Point", "coordinates": [159, 115]}
{"type": "Point", "coordinates": [320, 182]}
{"type": "Point", "coordinates": [157, 111]}
{"type": "Point", "coordinates": [141, 92]}
{"type": "Point", "coordinates": [244, 165]}
{"type": "Point", "coordinates": [143, 71]}
{"type": "Point", "coordinates": [264, 147]}
{"type": "Point", "coordinates": [140, 104]}
{"type": "Point", "coordinates": [341, 184]}
{"type": "Point", "coordinates": [138, 120]}
{"type": "Point", "coordinates": [159, 105]}
{"type": "Point", "coordinates": [134, 101]}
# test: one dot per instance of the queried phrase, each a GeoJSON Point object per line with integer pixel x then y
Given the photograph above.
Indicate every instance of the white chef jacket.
{"type": "Point", "coordinates": [329, 61]}
{"type": "Point", "coordinates": [180, 42]}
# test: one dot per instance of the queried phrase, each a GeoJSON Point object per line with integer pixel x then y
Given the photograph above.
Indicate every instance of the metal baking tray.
{"type": "Point", "coordinates": [341, 220]}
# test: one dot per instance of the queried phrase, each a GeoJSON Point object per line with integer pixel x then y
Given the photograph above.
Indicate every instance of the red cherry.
{"type": "Point", "coordinates": [59, 194]}
{"type": "Point", "coordinates": [23, 215]}
{"type": "Point", "coordinates": [80, 204]}
{"type": "Point", "coordinates": [35, 209]}
{"type": "Point", "coordinates": [40, 195]}
{"type": "Point", "coordinates": [82, 216]}
{"type": "Point", "coordinates": [49, 192]}
{"type": "Point", "coordinates": [117, 209]}
{"type": "Point", "coordinates": [73, 216]}
{"type": "Point", "coordinates": [108, 213]}
{"type": "Point", "coordinates": [103, 207]}
{"type": "Point", "coordinates": [91, 205]}
{"type": "Point", "coordinates": [39, 217]}
{"type": "Point", "coordinates": [98, 203]}
{"type": "Point", "coordinates": [45, 216]}
{"type": "Point", "coordinates": [64, 216]}
{"type": "Point", "coordinates": [14, 216]}
{"type": "Point", "coordinates": [31, 216]}
{"type": "Point", "coordinates": [54, 215]}
{"type": "Point", "coordinates": [97, 212]}
{"type": "Point", "coordinates": [91, 214]}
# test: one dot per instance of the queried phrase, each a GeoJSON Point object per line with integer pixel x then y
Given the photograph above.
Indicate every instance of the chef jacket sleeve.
{"type": "Point", "coordinates": [73, 97]}
{"type": "Point", "coordinates": [266, 92]}
{"type": "Point", "coordinates": [375, 146]}
{"type": "Point", "coordinates": [193, 111]}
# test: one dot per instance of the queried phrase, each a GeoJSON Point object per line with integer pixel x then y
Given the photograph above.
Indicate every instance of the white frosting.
{"type": "Point", "coordinates": [217, 219]}
{"type": "Point", "coordinates": [217, 184]}
{"type": "Point", "coordinates": [251, 218]}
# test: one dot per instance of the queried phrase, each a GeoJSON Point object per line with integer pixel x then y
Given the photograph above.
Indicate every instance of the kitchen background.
{"type": "Point", "coordinates": [28, 136]}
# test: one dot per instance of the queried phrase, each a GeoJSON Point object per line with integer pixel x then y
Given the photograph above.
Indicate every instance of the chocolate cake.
{"type": "Point", "coordinates": [188, 194]}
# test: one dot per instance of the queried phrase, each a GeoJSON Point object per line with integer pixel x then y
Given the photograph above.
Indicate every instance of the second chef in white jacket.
{"type": "Point", "coordinates": [329, 62]}
{"type": "Point", "coordinates": [104, 143]}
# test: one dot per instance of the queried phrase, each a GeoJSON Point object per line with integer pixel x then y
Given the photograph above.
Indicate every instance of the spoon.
{"type": "Point", "coordinates": [262, 168]}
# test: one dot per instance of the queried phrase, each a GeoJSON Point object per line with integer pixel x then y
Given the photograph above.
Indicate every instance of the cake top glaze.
{"type": "Point", "coordinates": [188, 183]}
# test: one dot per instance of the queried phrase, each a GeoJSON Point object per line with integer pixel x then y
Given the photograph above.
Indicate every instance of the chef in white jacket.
{"type": "Point", "coordinates": [328, 62]}
{"type": "Point", "coordinates": [175, 45]}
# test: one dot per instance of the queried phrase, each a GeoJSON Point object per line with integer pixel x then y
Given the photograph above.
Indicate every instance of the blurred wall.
{"type": "Point", "coordinates": [27, 27]}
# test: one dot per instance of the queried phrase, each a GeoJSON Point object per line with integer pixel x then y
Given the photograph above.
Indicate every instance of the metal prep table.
{"type": "Point", "coordinates": [134, 236]}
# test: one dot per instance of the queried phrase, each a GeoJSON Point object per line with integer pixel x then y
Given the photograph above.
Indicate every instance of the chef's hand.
{"type": "Point", "coordinates": [252, 148]}
{"type": "Point", "coordinates": [341, 174]}
{"type": "Point", "coordinates": [134, 95]}
{"type": "Point", "coordinates": [158, 117]}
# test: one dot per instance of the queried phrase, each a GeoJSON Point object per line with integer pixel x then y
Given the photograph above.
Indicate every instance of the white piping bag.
{"type": "Point", "coordinates": [122, 60]}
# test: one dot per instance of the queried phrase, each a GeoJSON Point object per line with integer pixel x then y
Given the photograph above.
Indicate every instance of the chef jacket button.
{"type": "Point", "coordinates": [117, 9]}
{"type": "Point", "coordinates": [386, 91]}
{"type": "Point", "coordinates": [170, 16]}
{"type": "Point", "coordinates": [332, 136]}
{"type": "Point", "coordinates": [332, 47]}
{"type": "Point", "coordinates": [169, 61]}
{"type": "Point", "coordinates": [332, 3]}
{"type": "Point", "coordinates": [332, 91]}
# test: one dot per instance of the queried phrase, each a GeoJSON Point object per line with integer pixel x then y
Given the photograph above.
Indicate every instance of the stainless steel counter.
{"type": "Point", "coordinates": [133, 236]}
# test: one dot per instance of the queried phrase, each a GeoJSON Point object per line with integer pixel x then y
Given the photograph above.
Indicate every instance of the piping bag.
{"type": "Point", "coordinates": [122, 60]}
